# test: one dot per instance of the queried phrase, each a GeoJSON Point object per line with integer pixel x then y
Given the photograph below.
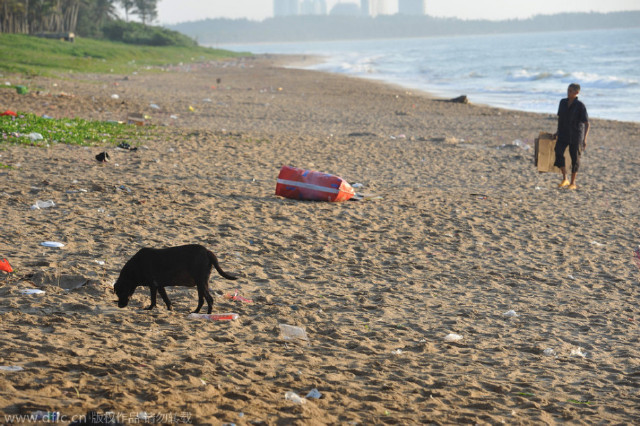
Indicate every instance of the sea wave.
{"type": "Point", "coordinates": [585, 79]}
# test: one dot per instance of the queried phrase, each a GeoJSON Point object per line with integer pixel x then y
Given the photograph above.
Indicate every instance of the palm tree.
{"type": "Point", "coordinates": [127, 5]}
{"type": "Point", "coordinates": [147, 10]}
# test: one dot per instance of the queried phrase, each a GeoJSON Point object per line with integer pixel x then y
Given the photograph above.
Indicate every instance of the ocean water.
{"type": "Point", "coordinates": [527, 72]}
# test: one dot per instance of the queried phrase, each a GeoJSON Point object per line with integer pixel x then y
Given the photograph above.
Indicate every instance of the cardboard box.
{"type": "Point", "coordinates": [545, 154]}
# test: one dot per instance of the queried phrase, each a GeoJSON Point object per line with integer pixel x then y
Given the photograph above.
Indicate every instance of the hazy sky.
{"type": "Point", "coordinates": [174, 11]}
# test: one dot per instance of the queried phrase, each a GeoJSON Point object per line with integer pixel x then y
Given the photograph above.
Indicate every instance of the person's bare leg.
{"type": "Point", "coordinates": [572, 184]}
{"type": "Point", "coordinates": [565, 181]}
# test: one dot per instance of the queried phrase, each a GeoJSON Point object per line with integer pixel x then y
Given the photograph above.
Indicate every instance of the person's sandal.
{"type": "Point", "coordinates": [573, 186]}
{"type": "Point", "coordinates": [564, 184]}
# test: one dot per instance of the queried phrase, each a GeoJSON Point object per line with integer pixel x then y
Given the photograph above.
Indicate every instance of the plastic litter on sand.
{"type": "Point", "coordinates": [227, 316]}
{"type": "Point", "coordinates": [43, 204]}
{"type": "Point", "coordinates": [53, 244]}
{"type": "Point", "coordinates": [11, 368]}
{"type": "Point", "coordinates": [31, 291]}
{"type": "Point", "coordinates": [291, 332]}
{"type": "Point", "coordinates": [549, 352]}
{"type": "Point", "coordinates": [314, 393]}
{"type": "Point", "coordinates": [510, 313]}
{"type": "Point", "coordinates": [578, 352]}
{"type": "Point", "coordinates": [294, 397]}
{"type": "Point", "coordinates": [237, 297]}
{"type": "Point", "coordinates": [452, 337]}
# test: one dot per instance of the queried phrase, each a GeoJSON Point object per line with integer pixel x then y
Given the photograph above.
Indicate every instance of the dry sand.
{"type": "Point", "coordinates": [465, 231]}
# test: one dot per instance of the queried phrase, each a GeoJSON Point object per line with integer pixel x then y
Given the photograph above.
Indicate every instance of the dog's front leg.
{"type": "Point", "coordinates": [154, 289]}
{"type": "Point", "coordinates": [164, 296]}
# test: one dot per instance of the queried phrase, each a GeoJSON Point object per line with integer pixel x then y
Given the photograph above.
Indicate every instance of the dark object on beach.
{"type": "Point", "coordinates": [361, 134]}
{"type": "Point", "coordinates": [92, 418]}
{"type": "Point", "coordinates": [103, 157]}
{"type": "Point", "coordinates": [218, 81]}
{"type": "Point", "coordinates": [187, 266]}
{"type": "Point", "coordinates": [460, 100]}
{"type": "Point", "coordinates": [124, 145]}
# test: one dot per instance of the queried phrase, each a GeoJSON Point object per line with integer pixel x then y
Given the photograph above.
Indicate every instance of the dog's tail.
{"type": "Point", "coordinates": [214, 262]}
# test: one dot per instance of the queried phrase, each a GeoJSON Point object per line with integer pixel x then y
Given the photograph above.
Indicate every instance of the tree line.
{"type": "Point", "coordinates": [83, 17]}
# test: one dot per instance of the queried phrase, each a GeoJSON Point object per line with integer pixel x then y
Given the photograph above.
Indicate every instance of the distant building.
{"type": "Point", "coordinates": [375, 7]}
{"type": "Point", "coordinates": [412, 7]}
{"type": "Point", "coordinates": [313, 7]}
{"type": "Point", "coordinates": [348, 9]}
{"type": "Point", "coordinates": [286, 7]}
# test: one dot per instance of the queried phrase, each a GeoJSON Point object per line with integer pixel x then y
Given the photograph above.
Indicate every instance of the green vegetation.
{"type": "Point", "coordinates": [136, 33]}
{"type": "Point", "coordinates": [35, 56]}
{"type": "Point", "coordinates": [27, 128]}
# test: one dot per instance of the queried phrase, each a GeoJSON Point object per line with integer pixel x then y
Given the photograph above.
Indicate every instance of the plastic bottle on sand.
{"type": "Point", "coordinates": [227, 316]}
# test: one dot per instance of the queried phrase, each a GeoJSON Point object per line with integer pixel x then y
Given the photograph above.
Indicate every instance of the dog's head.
{"type": "Point", "coordinates": [124, 290]}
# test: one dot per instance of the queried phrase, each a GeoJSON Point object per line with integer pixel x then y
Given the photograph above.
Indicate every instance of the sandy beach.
{"type": "Point", "coordinates": [465, 237]}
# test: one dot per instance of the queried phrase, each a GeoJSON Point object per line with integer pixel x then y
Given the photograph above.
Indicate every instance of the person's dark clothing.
{"type": "Point", "coordinates": [572, 121]}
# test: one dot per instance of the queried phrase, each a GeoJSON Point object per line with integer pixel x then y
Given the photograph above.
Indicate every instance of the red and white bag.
{"type": "Point", "coordinates": [301, 184]}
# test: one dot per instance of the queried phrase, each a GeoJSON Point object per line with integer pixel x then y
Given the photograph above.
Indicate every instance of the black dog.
{"type": "Point", "coordinates": [188, 266]}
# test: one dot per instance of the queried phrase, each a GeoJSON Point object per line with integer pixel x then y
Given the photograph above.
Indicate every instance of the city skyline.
{"type": "Point", "coordinates": [175, 11]}
{"type": "Point", "coordinates": [370, 8]}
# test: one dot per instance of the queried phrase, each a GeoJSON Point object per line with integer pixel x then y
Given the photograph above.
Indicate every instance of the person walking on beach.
{"type": "Point", "coordinates": [573, 128]}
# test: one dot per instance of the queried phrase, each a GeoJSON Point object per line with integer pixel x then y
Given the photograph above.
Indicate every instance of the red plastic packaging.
{"type": "Point", "coordinates": [301, 184]}
{"type": "Point", "coordinates": [4, 266]}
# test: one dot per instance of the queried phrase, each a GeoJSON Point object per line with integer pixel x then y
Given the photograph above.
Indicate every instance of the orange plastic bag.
{"type": "Point", "coordinates": [4, 266]}
{"type": "Point", "coordinates": [301, 184]}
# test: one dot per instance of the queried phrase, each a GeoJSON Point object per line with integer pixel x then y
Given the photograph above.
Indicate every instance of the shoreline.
{"type": "Point", "coordinates": [465, 231]}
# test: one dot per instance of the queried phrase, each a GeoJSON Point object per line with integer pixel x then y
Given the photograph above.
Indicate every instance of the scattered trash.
{"type": "Point", "coordinates": [103, 157]}
{"type": "Point", "coordinates": [515, 144]}
{"type": "Point", "coordinates": [575, 401]}
{"type": "Point", "coordinates": [114, 96]}
{"type": "Point", "coordinates": [291, 332]}
{"type": "Point", "coordinates": [636, 256]}
{"type": "Point", "coordinates": [53, 244]}
{"type": "Point", "coordinates": [510, 313]}
{"type": "Point", "coordinates": [137, 119]}
{"type": "Point", "coordinates": [314, 393]}
{"type": "Point", "coordinates": [154, 106]}
{"type": "Point", "coordinates": [11, 368]}
{"type": "Point", "coordinates": [43, 205]}
{"type": "Point", "coordinates": [237, 297]}
{"type": "Point", "coordinates": [301, 184]}
{"type": "Point", "coordinates": [365, 197]}
{"type": "Point", "coordinates": [578, 352]}
{"type": "Point", "coordinates": [216, 317]}
{"type": "Point", "coordinates": [34, 136]}
{"type": "Point", "coordinates": [549, 352]}
{"type": "Point", "coordinates": [357, 185]}
{"type": "Point", "coordinates": [124, 145]}
{"type": "Point", "coordinates": [452, 338]}
{"type": "Point", "coordinates": [31, 291]}
{"type": "Point", "coordinates": [397, 352]}
{"type": "Point", "coordinates": [22, 90]}
{"type": "Point", "coordinates": [9, 113]}
{"type": "Point", "coordinates": [294, 397]}
{"type": "Point", "coordinates": [191, 108]}
{"type": "Point", "coordinates": [4, 266]}
{"type": "Point", "coordinates": [597, 244]}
